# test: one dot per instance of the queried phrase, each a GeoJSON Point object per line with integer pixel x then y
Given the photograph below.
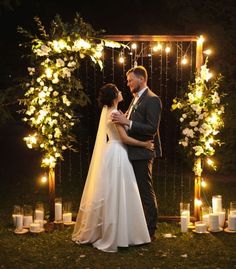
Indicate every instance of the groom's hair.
{"type": "Point", "coordinates": [139, 71]}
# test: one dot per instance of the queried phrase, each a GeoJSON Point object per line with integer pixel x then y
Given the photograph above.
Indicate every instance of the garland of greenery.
{"type": "Point", "coordinates": [52, 89]}
{"type": "Point", "coordinates": [200, 114]}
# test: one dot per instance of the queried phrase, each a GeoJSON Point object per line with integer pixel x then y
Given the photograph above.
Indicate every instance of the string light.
{"type": "Point", "coordinates": [203, 183]}
{"type": "Point", "coordinates": [157, 47]}
{"type": "Point", "coordinates": [184, 61]}
{"type": "Point", "coordinates": [134, 46]}
{"type": "Point", "coordinates": [210, 162]}
{"type": "Point", "coordinates": [207, 52]}
{"type": "Point", "coordinates": [198, 202]}
{"type": "Point", "coordinates": [167, 49]}
{"type": "Point", "coordinates": [200, 40]}
{"type": "Point", "coordinates": [121, 59]}
{"type": "Point", "coordinates": [44, 179]}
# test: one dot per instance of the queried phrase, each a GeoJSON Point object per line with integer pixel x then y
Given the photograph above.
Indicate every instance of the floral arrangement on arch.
{"type": "Point", "coordinates": [200, 113]}
{"type": "Point", "coordinates": [52, 88]}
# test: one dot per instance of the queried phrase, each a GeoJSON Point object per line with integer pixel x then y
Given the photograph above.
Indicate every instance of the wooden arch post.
{"type": "Point", "coordinates": [199, 62]}
{"type": "Point", "coordinates": [51, 189]}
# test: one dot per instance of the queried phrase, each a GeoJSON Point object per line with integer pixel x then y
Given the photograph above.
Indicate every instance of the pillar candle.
{"type": "Point", "coordinates": [27, 220]}
{"type": "Point", "coordinates": [39, 214]}
{"type": "Point", "coordinates": [187, 214]}
{"type": "Point", "coordinates": [14, 219]}
{"type": "Point", "coordinates": [67, 217]}
{"type": "Point", "coordinates": [214, 221]}
{"type": "Point", "coordinates": [217, 203]}
{"type": "Point", "coordinates": [200, 227]}
{"type": "Point", "coordinates": [222, 218]}
{"type": "Point", "coordinates": [205, 219]}
{"type": "Point", "coordinates": [19, 222]}
{"type": "Point", "coordinates": [34, 227]}
{"type": "Point", "coordinates": [58, 211]}
{"type": "Point", "coordinates": [232, 222]}
{"type": "Point", "coordinates": [184, 223]}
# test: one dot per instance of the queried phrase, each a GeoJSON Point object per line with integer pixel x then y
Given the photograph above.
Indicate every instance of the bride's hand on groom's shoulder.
{"type": "Point", "coordinates": [119, 117]}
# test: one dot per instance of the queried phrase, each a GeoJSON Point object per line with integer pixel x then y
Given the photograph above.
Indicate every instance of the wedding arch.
{"type": "Point", "coordinates": [55, 85]}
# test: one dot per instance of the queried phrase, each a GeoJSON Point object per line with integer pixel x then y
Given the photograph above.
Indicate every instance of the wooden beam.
{"type": "Point", "coordinates": [167, 38]}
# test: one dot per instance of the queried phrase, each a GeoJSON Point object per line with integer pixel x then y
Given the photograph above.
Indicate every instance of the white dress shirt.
{"type": "Point", "coordinates": [137, 96]}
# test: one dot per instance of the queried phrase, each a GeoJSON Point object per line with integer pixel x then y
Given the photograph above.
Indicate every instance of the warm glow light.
{"type": "Point", "coordinates": [200, 40]}
{"type": "Point", "coordinates": [207, 52]}
{"type": "Point", "coordinates": [184, 61]}
{"type": "Point", "coordinates": [48, 72]}
{"type": "Point", "coordinates": [44, 179]}
{"type": "Point", "coordinates": [210, 162]}
{"type": "Point", "coordinates": [198, 202]}
{"type": "Point", "coordinates": [203, 183]}
{"type": "Point", "coordinates": [134, 46]}
{"type": "Point", "coordinates": [167, 49]}
{"type": "Point", "coordinates": [157, 47]}
{"type": "Point", "coordinates": [210, 75]}
{"type": "Point", "coordinates": [214, 118]}
{"type": "Point", "coordinates": [121, 59]}
{"type": "Point", "coordinates": [61, 44]}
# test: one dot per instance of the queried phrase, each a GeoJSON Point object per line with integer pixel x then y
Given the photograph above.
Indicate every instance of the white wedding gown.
{"type": "Point", "coordinates": [111, 213]}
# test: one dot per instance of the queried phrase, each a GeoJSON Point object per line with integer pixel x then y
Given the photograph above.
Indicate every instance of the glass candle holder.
{"type": "Point", "coordinates": [28, 215]}
{"type": "Point", "coordinates": [58, 209]}
{"type": "Point", "coordinates": [222, 217]}
{"type": "Point", "coordinates": [214, 222]}
{"type": "Point", "coordinates": [185, 211]}
{"type": "Point", "coordinates": [205, 211]}
{"type": "Point", "coordinates": [17, 211]}
{"type": "Point", "coordinates": [67, 212]}
{"type": "Point", "coordinates": [39, 211]}
{"type": "Point", "coordinates": [232, 208]}
{"type": "Point", "coordinates": [216, 203]}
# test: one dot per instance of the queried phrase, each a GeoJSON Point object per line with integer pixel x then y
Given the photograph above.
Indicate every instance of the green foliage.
{"type": "Point", "coordinates": [200, 113]}
{"type": "Point", "coordinates": [53, 88]}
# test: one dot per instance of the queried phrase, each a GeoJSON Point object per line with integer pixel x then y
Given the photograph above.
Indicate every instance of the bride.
{"type": "Point", "coordinates": [111, 213]}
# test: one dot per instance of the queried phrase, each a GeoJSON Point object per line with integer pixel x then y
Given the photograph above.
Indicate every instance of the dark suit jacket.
{"type": "Point", "coordinates": [146, 116]}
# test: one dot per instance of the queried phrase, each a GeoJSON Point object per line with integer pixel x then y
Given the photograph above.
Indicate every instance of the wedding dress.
{"type": "Point", "coordinates": [111, 213]}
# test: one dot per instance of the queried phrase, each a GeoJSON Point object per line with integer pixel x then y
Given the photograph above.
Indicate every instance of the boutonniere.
{"type": "Point", "coordinates": [134, 107]}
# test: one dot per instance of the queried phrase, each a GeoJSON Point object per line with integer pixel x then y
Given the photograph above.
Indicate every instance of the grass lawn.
{"type": "Point", "coordinates": [56, 250]}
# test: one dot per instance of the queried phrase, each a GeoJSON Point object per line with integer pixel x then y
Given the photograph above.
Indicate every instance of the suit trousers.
{"type": "Point", "coordinates": [143, 174]}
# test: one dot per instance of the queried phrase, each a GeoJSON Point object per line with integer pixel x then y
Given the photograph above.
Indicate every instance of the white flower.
{"type": "Point", "coordinates": [193, 123]}
{"type": "Point", "coordinates": [188, 132]}
{"type": "Point", "coordinates": [190, 97]}
{"type": "Point", "coordinates": [184, 143]}
{"type": "Point", "coordinates": [60, 63]}
{"type": "Point", "coordinates": [198, 150]}
{"type": "Point", "coordinates": [65, 100]}
{"type": "Point", "coordinates": [55, 93]}
{"type": "Point", "coordinates": [43, 51]}
{"type": "Point", "coordinates": [71, 64]}
{"type": "Point", "coordinates": [205, 74]}
{"type": "Point", "coordinates": [112, 44]}
{"type": "Point", "coordinates": [57, 133]}
{"type": "Point", "coordinates": [215, 98]}
{"type": "Point", "coordinates": [66, 72]}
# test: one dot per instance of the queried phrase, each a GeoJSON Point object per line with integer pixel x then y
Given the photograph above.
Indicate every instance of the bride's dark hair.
{"type": "Point", "coordinates": [107, 94]}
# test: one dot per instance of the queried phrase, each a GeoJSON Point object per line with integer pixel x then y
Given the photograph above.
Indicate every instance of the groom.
{"type": "Point", "coordinates": [142, 121]}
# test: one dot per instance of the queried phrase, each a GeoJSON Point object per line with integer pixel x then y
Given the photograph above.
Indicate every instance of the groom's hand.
{"type": "Point", "coordinates": [120, 118]}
